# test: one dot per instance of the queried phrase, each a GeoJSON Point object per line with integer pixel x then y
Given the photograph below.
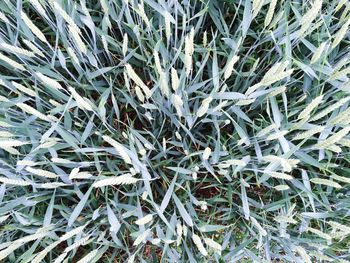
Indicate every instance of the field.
{"type": "Point", "coordinates": [174, 131]}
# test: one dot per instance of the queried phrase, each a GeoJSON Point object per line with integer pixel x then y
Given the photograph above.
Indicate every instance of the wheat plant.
{"type": "Point", "coordinates": [174, 131]}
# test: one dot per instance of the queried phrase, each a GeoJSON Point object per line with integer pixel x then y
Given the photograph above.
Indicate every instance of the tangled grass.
{"type": "Point", "coordinates": [174, 131]}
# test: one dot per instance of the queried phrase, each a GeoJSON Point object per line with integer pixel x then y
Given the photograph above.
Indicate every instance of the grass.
{"type": "Point", "coordinates": [166, 131]}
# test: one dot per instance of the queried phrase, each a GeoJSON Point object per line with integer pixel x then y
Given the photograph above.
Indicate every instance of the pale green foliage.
{"type": "Point", "coordinates": [174, 131]}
